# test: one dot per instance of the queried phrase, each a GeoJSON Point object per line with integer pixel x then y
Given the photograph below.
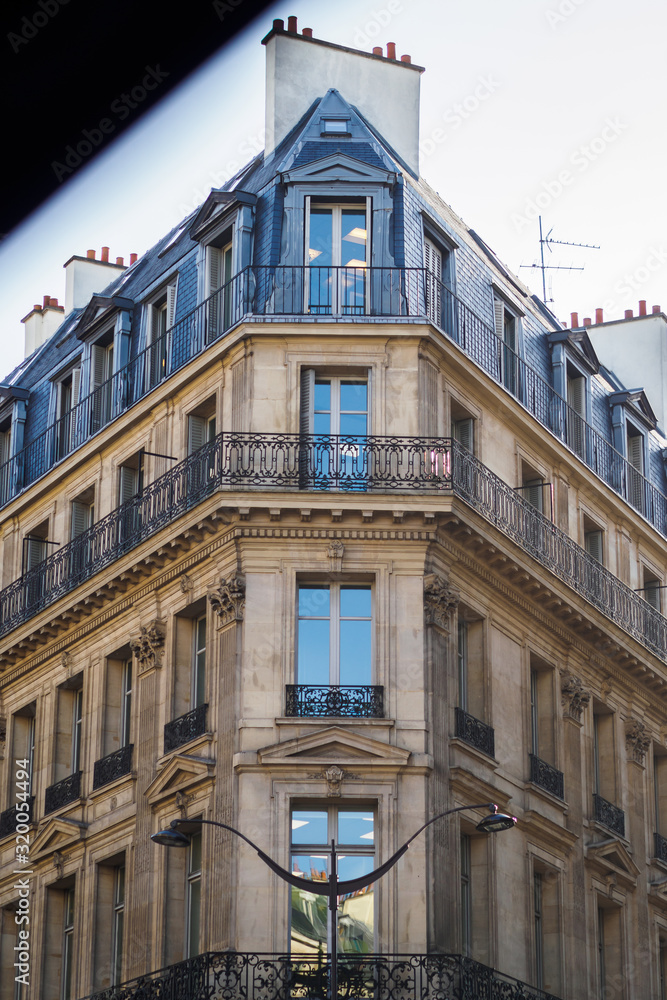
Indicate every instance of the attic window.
{"type": "Point", "coordinates": [334, 126]}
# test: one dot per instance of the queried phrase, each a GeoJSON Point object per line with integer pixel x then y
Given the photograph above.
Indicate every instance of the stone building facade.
{"type": "Point", "coordinates": [317, 523]}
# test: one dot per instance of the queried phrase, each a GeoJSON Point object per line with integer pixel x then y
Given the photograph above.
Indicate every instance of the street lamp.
{"type": "Point", "coordinates": [494, 822]}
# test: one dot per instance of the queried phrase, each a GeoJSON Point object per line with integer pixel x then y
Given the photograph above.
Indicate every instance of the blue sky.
{"type": "Point", "coordinates": [528, 106]}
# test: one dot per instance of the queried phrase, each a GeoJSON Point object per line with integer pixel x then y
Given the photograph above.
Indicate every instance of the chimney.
{"type": "Point", "coordinates": [642, 307]}
{"type": "Point", "coordinates": [628, 314]}
{"type": "Point", "coordinates": [85, 276]}
{"type": "Point", "coordinates": [291, 25]}
{"type": "Point", "coordinates": [41, 323]}
{"type": "Point", "coordinates": [307, 32]}
{"type": "Point", "coordinates": [386, 91]}
{"type": "Point", "coordinates": [655, 310]}
{"type": "Point", "coordinates": [406, 59]}
{"type": "Point", "coordinates": [133, 259]}
{"type": "Point", "coordinates": [377, 50]}
{"type": "Point", "coordinates": [598, 316]}
{"type": "Point", "coordinates": [587, 321]}
{"type": "Point", "coordinates": [574, 321]}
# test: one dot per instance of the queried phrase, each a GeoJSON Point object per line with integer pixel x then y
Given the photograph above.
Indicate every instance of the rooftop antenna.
{"type": "Point", "coordinates": [546, 241]}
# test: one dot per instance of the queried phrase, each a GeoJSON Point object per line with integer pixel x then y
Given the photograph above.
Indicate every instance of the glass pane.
{"type": "Point", "coordinates": [308, 922]}
{"type": "Point", "coordinates": [120, 884]}
{"type": "Point", "coordinates": [355, 827]}
{"type": "Point", "coordinates": [353, 237]}
{"type": "Point", "coordinates": [194, 901]}
{"type": "Point", "coordinates": [356, 911]}
{"type": "Point", "coordinates": [322, 423]}
{"type": "Point", "coordinates": [321, 229]}
{"type": "Point", "coordinates": [354, 396]}
{"type": "Point", "coordinates": [309, 827]}
{"type": "Point", "coordinates": [313, 657]}
{"type": "Point", "coordinates": [195, 852]}
{"type": "Point", "coordinates": [314, 602]}
{"type": "Point", "coordinates": [355, 652]}
{"type": "Point", "coordinates": [311, 867]}
{"type": "Point", "coordinates": [353, 423]}
{"type": "Point", "coordinates": [117, 971]}
{"type": "Point", "coordinates": [322, 397]}
{"type": "Point", "coordinates": [355, 602]}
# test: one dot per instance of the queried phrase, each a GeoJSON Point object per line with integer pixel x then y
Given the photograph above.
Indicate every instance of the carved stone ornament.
{"type": "Point", "coordinates": [439, 601]}
{"type": "Point", "coordinates": [334, 777]}
{"type": "Point", "coordinates": [228, 600]}
{"type": "Point", "coordinates": [148, 647]}
{"type": "Point", "coordinates": [58, 863]}
{"type": "Point", "coordinates": [187, 583]}
{"type": "Point", "coordinates": [65, 660]}
{"type": "Point", "coordinates": [575, 697]}
{"type": "Point", "coordinates": [637, 740]}
{"type": "Point", "coordinates": [335, 552]}
{"type": "Point", "coordinates": [3, 728]}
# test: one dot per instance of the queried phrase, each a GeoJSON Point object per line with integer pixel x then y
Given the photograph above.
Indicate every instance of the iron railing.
{"type": "Point", "coordinates": [8, 820]}
{"type": "Point", "coordinates": [546, 776]}
{"type": "Point", "coordinates": [63, 792]}
{"type": "Point", "coordinates": [244, 976]}
{"type": "Point", "coordinates": [480, 342]}
{"type": "Point", "coordinates": [187, 727]}
{"type": "Point", "coordinates": [114, 765]}
{"type": "Point", "coordinates": [477, 734]}
{"type": "Point", "coordinates": [660, 847]}
{"type": "Point", "coordinates": [609, 815]}
{"type": "Point", "coordinates": [366, 701]}
{"type": "Point", "coordinates": [245, 461]}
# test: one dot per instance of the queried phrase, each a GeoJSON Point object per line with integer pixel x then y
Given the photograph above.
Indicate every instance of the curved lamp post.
{"type": "Point", "coordinates": [493, 823]}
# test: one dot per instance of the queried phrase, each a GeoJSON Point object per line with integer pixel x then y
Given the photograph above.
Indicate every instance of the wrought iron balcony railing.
{"type": "Point", "coordinates": [63, 792]}
{"type": "Point", "coordinates": [546, 776]}
{"type": "Point", "coordinates": [114, 765]}
{"type": "Point", "coordinates": [280, 977]}
{"type": "Point", "coordinates": [479, 341]}
{"type": "Point", "coordinates": [187, 727]}
{"type": "Point", "coordinates": [609, 815]}
{"type": "Point", "coordinates": [8, 820]}
{"type": "Point", "coordinates": [660, 847]}
{"type": "Point", "coordinates": [477, 734]}
{"type": "Point", "coordinates": [363, 702]}
{"type": "Point", "coordinates": [364, 465]}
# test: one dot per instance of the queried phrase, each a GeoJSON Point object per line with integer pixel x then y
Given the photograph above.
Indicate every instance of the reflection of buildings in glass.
{"type": "Point", "coordinates": [356, 920]}
{"type": "Point", "coordinates": [309, 922]}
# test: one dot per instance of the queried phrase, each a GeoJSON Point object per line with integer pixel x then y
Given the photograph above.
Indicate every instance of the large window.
{"type": "Point", "coordinates": [68, 944]}
{"type": "Point", "coordinates": [161, 313]}
{"type": "Point", "coordinates": [101, 372]}
{"type": "Point", "coordinates": [335, 407]}
{"type": "Point", "coordinates": [218, 287]}
{"type": "Point", "coordinates": [353, 830]}
{"type": "Point", "coordinates": [337, 258]}
{"type": "Point", "coordinates": [334, 634]}
{"type": "Point", "coordinates": [635, 453]}
{"type": "Point", "coordinates": [507, 331]}
{"type": "Point", "coordinates": [193, 896]}
{"type": "Point", "coordinates": [576, 413]}
{"type": "Point", "coordinates": [118, 926]}
{"type": "Point", "coordinates": [67, 391]}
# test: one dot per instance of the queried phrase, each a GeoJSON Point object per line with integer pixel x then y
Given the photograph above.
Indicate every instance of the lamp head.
{"type": "Point", "coordinates": [496, 821]}
{"type": "Point", "coordinates": [171, 837]}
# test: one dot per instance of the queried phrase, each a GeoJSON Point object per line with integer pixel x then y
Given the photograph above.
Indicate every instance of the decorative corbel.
{"type": "Point", "coordinates": [637, 740]}
{"type": "Point", "coordinates": [574, 696]}
{"type": "Point", "coordinates": [440, 600]}
{"type": "Point", "coordinates": [335, 552]}
{"type": "Point", "coordinates": [149, 644]}
{"type": "Point", "coordinates": [228, 600]}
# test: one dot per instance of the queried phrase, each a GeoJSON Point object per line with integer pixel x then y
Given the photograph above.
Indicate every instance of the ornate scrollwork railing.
{"type": "Point", "coordinates": [63, 792]}
{"type": "Point", "coordinates": [546, 776]}
{"type": "Point", "coordinates": [365, 701]}
{"type": "Point", "coordinates": [609, 815]}
{"type": "Point", "coordinates": [8, 817]}
{"type": "Point", "coordinates": [187, 727]}
{"type": "Point", "coordinates": [114, 765]}
{"type": "Point", "coordinates": [660, 848]}
{"type": "Point", "coordinates": [477, 734]}
{"type": "Point", "coordinates": [232, 975]}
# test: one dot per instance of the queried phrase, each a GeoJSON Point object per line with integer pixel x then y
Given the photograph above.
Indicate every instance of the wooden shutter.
{"type": "Point", "coordinates": [433, 264]}
{"type": "Point", "coordinates": [534, 493]}
{"type": "Point", "coordinates": [594, 544]}
{"type": "Point", "coordinates": [171, 305]}
{"type": "Point", "coordinates": [196, 433]}
{"type": "Point", "coordinates": [213, 276]}
{"type": "Point", "coordinates": [76, 386]}
{"type": "Point", "coordinates": [652, 593]}
{"type": "Point", "coordinates": [128, 483]}
{"type": "Point", "coordinates": [464, 433]}
{"type": "Point", "coordinates": [576, 394]}
{"type": "Point", "coordinates": [81, 517]}
{"type": "Point", "coordinates": [429, 399]}
{"type": "Point", "coordinates": [307, 400]}
{"type": "Point", "coordinates": [36, 552]}
{"type": "Point", "coordinates": [499, 317]}
{"type": "Point", "coordinates": [636, 452]}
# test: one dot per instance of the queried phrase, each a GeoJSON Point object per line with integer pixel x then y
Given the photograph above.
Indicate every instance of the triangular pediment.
{"type": "Point", "coordinates": [215, 206]}
{"type": "Point", "coordinates": [57, 835]}
{"type": "Point", "coordinates": [338, 167]}
{"type": "Point", "coordinates": [180, 773]}
{"type": "Point", "coordinates": [610, 857]}
{"type": "Point", "coordinates": [334, 745]}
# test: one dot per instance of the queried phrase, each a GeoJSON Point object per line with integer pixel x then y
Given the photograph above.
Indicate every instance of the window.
{"type": "Point", "coordinates": [470, 660]}
{"type": "Point", "coordinates": [334, 126]}
{"type": "Point", "coordinates": [604, 757]}
{"type": "Point", "coordinates": [652, 589]}
{"type": "Point", "coordinates": [466, 905]}
{"type": "Point", "coordinates": [67, 944]}
{"type": "Point", "coordinates": [218, 288]}
{"type": "Point", "coordinates": [534, 489]}
{"type": "Point", "coordinates": [67, 392]}
{"type": "Point", "coordinates": [77, 722]}
{"type": "Point", "coordinates": [117, 731]}
{"type": "Point", "coordinates": [69, 724]}
{"type": "Point", "coordinates": [10, 989]}
{"type": "Point", "coordinates": [334, 407]}
{"type": "Point", "coordinates": [538, 930]}
{"type": "Point", "coordinates": [353, 830]}
{"type": "Point", "coordinates": [131, 477]}
{"type": "Point", "coordinates": [610, 951]}
{"type": "Point", "coordinates": [189, 690]}
{"type": "Point", "coordinates": [439, 299]}
{"type": "Point", "coordinates": [334, 634]}
{"type": "Point", "coordinates": [160, 315]}
{"type": "Point", "coordinates": [126, 704]}
{"type": "Point", "coordinates": [101, 384]}
{"type": "Point", "coordinates": [35, 550]}
{"type": "Point", "coordinates": [576, 412]}
{"type": "Point", "coordinates": [5, 455]}
{"type": "Point", "coordinates": [635, 471]}
{"type": "Point", "coordinates": [507, 332]}
{"type": "Point", "coordinates": [199, 662]}
{"type": "Point", "coordinates": [463, 431]}
{"type": "Point", "coordinates": [594, 540]}
{"type": "Point", "coordinates": [546, 930]}
{"type": "Point", "coordinates": [83, 513]}
{"type": "Point", "coordinates": [337, 257]}
{"type": "Point", "coordinates": [662, 966]}
{"type": "Point", "coordinates": [660, 800]}
{"type": "Point", "coordinates": [23, 742]}
{"type": "Point", "coordinates": [193, 896]}
{"type": "Point", "coordinates": [201, 430]}
{"type": "Point", "coordinates": [542, 710]}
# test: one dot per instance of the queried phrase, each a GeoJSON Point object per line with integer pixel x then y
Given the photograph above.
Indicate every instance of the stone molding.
{"type": "Point", "coordinates": [228, 600]}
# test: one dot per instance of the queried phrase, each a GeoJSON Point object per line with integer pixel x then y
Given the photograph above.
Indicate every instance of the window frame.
{"type": "Point", "coordinates": [336, 306]}
{"type": "Point", "coordinates": [334, 618]}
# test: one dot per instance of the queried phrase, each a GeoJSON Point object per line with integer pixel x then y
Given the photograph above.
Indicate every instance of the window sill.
{"type": "Point", "coordinates": [112, 786]}
{"type": "Point", "coordinates": [326, 720]}
{"type": "Point", "coordinates": [543, 793]}
{"type": "Point", "coordinates": [456, 743]}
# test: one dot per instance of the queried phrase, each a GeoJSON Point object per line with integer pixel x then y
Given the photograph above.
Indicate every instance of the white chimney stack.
{"type": "Point", "coordinates": [86, 276]}
{"type": "Point", "coordinates": [41, 323]}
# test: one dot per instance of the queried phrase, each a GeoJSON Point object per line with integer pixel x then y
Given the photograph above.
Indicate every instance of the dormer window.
{"type": "Point", "coordinates": [337, 255]}
{"type": "Point", "coordinates": [635, 454]}
{"type": "Point", "coordinates": [161, 314]}
{"type": "Point", "coordinates": [334, 126]}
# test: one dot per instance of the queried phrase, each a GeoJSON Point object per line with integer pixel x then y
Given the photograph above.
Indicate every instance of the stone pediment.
{"type": "Point", "coordinates": [215, 206]}
{"type": "Point", "coordinates": [338, 167]}
{"type": "Point", "coordinates": [180, 773]}
{"type": "Point", "coordinates": [57, 835]}
{"type": "Point", "coordinates": [610, 858]}
{"type": "Point", "coordinates": [334, 746]}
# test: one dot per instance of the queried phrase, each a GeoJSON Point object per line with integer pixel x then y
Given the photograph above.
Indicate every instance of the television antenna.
{"type": "Point", "coordinates": [547, 241]}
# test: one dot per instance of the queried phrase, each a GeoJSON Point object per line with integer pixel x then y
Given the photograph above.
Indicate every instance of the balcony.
{"type": "Point", "coordinates": [546, 776]}
{"type": "Point", "coordinates": [365, 702]}
{"type": "Point", "coordinates": [8, 819]}
{"type": "Point", "coordinates": [660, 848]}
{"type": "Point", "coordinates": [63, 792]}
{"type": "Point", "coordinates": [478, 734]}
{"type": "Point", "coordinates": [278, 977]}
{"type": "Point", "coordinates": [187, 727]}
{"type": "Point", "coordinates": [114, 765]}
{"type": "Point", "coordinates": [609, 815]}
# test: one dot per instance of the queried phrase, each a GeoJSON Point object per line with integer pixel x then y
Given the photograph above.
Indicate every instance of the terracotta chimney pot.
{"type": "Point", "coordinates": [377, 50]}
{"type": "Point", "coordinates": [119, 260]}
{"type": "Point", "coordinates": [642, 307]}
{"type": "Point", "coordinates": [307, 32]}
{"type": "Point", "coordinates": [90, 254]}
{"type": "Point", "coordinates": [628, 314]}
{"type": "Point", "coordinates": [574, 321]}
{"type": "Point", "coordinates": [291, 25]}
{"type": "Point", "coordinates": [391, 50]}
{"type": "Point", "coordinates": [133, 258]}
{"type": "Point", "coordinates": [598, 316]}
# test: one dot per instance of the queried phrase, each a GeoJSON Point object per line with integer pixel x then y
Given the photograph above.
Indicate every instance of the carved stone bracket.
{"type": "Point", "coordinates": [228, 600]}
{"type": "Point", "coordinates": [186, 583]}
{"type": "Point", "coordinates": [439, 601]}
{"type": "Point", "coordinates": [149, 644]}
{"type": "Point", "coordinates": [637, 740]}
{"type": "Point", "coordinates": [335, 552]}
{"type": "Point", "coordinates": [334, 777]}
{"type": "Point", "coordinates": [575, 697]}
